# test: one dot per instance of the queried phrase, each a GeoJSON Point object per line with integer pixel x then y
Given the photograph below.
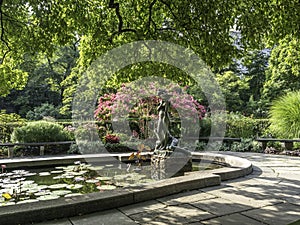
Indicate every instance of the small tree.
{"type": "Point", "coordinates": [138, 106]}
{"type": "Point", "coordinates": [285, 116]}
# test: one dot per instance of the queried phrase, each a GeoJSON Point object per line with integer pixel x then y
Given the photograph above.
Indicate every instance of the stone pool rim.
{"type": "Point", "coordinates": [88, 203]}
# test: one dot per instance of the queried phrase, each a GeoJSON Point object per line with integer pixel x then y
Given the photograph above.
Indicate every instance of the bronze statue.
{"type": "Point", "coordinates": [165, 140]}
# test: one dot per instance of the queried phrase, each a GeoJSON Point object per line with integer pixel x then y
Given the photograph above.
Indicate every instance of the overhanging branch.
{"type": "Point", "coordinates": [116, 6]}
{"type": "Point", "coordinates": [2, 32]}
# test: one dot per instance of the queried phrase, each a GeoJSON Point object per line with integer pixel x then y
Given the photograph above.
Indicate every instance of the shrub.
{"type": "Point", "coordinates": [285, 116]}
{"type": "Point", "coordinates": [40, 131]}
{"type": "Point", "coordinates": [8, 122]}
{"type": "Point", "coordinates": [238, 126]}
{"type": "Point", "coordinates": [246, 145]}
{"type": "Point", "coordinates": [112, 139]}
{"type": "Point", "coordinates": [245, 127]}
{"type": "Point", "coordinates": [138, 107]}
{"type": "Point", "coordinates": [45, 110]}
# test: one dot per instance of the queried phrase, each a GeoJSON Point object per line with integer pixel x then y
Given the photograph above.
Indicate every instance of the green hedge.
{"type": "Point", "coordinates": [41, 131]}
{"type": "Point", "coordinates": [238, 126]}
{"type": "Point", "coordinates": [8, 122]}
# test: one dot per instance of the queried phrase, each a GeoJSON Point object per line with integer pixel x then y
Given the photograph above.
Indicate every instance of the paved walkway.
{"type": "Point", "coordinates": [270, 195]}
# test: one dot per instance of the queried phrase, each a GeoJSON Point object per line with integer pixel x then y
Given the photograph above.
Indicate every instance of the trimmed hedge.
{"type": "Point", "coordinates": [237, 126]}
{"type": "Point", "coordinates": [41, 131]}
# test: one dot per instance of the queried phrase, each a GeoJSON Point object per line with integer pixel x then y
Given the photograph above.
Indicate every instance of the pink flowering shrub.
{"type": "Point", "coordinates": [111, 138]}
{"type": "Point", "coordinates": [137, 103]}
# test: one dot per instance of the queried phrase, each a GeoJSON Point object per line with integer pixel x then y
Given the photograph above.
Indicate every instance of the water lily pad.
{"type": "Point", "coordinates": [122, 184]}
{"type": "Point", "coordinates": [25, 182]}
{"type": "Point", "coordinates": [106, 187]}
{"type": "Point", "coordinates": [71, 173]}
{"type": "Point", "coordinates": [91, 181]}
{"type": "Point", "coordinates": [104, 178]}
{"type": "Point", "coordinates": [61, 192]}
{"type": "Point", "coordinates": [78, 179]}
{"type": "Point", "coordinates": [68, 176]}
{"type": "Point", "coordinates": [96, 168]}
{"type": "Point", "coordinates": [56, 171]}
{"type": "Point", "coordinates": [29, 174]}
{"type": "Point", "coordinates": [147, 180]}
{"type": "Point", "coordinates": [28, 201]}
{"type": "Point", "coordinates": [74, 186]}
{"type": "Point", "coordinates": [60, 167]}
{"type": "Point", "coordinates": [42, 193]}
{"type": "Point", "coordinates": [41, 187]}
{"type": "Point", "coordinates": [109, 165]}
{"type": "Point", "coordinates": [48, 197]}
{"type": "Point", "coordinates": [82, 172]}
{"type": "Point", "coordinates": [8, 203]}
{"type": "Point", "coordinates": [73, 195]}
{"type": "Point", "coordinates": [7, 186]}
{"type": "Point", "coordinates": [120, 177]}
{"type": "Point", "coordinates": [57, 186]}
{"type": "Point", "coordinates": [22, 172]}
{"type": "Point", "coordinates": [58, 177]}
{"type": "Point", "coordinates": [42, 174]}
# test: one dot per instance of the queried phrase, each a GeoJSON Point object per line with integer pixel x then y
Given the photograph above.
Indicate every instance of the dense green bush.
{"type": "Point", "coordinates": [40, 131]}
{"type": "Point", "coordinates": [285, 116]}
{"type": "Point", "coordinates": [238, 126]}
{"type": "Point", "coordinates": [245, 127]}
{"type": "Point", "coordinates": [8, 122]}
{"type": "Point", "coordinates": [45, 110]}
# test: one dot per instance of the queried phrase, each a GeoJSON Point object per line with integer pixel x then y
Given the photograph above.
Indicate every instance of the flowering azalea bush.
{"type": "Point", "coordinates": [111, 138]}
{"type": "Point", "coordinates": [136, 104]}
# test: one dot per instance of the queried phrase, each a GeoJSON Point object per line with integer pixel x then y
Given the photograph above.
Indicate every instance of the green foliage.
{"type": "Point", "coordinates": [46, 81]}
{"type": "Point", "coordinates": [234, 89]}
{"type": "Point", "coordinates": [245, 127]}
{"type": "Point", "coordinates": [246, 145]}
{"type": "Point", "coordinates": [11, 78]}
{"type": "Point", "coordinates": [8, 122]}
{"type": "Point", "coordinates": [283, 74]}
{"type": "Point", "coordinates": [41, 26]}
{"type": "Point", "coordinates": [285, 116]}
{"type": "Point", "coordinates": [40, 131]}
{"type": "Point", "coordinates": [237, 126]}
{"type": "Point", "coordinates": [45, 110]}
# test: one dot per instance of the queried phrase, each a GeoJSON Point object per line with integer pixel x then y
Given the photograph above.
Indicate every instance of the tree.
{"type": "Point", "coordinates": [283, 75]}
{"type": "Point", "coordinates": [235, 90]}
{"type": "Point", "coordinates": [46, 82]}
{"type": "Point", "coordinates": [41, 26]}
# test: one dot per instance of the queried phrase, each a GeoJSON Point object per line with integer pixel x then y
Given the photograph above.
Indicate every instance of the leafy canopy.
{"type": "Point", "coordinates": [98, 26]}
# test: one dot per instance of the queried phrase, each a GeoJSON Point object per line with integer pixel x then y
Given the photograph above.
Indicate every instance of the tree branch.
{"type": "Point", "coordinates": [150, 14]}
{"type": "Point", "coordinates": [169, 7]}
{"type": "Point", "coordinates": [2, 33]}
{"type": "Point", "coordinates": [116, 6]}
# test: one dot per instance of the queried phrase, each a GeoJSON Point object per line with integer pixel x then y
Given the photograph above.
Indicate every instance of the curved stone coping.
{"type": "Point", "coordinates": [88, 203]}
{"type": "Point", "coordinates": [238, 167]}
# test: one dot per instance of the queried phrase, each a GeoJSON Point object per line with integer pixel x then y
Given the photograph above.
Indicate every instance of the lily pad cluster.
{"type": "Point", "coordinates": [22, 186]}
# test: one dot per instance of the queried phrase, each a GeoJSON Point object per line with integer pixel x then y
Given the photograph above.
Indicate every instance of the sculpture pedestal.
{"type": "Point", "coordinates": [165, 164]}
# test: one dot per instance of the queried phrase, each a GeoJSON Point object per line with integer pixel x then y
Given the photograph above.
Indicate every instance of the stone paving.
{"type": "Point", "coordinates": [270, 195]}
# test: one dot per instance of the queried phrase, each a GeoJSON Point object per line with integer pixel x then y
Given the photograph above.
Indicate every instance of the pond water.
{"type": "Point", "coordinates": [24, 186]}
